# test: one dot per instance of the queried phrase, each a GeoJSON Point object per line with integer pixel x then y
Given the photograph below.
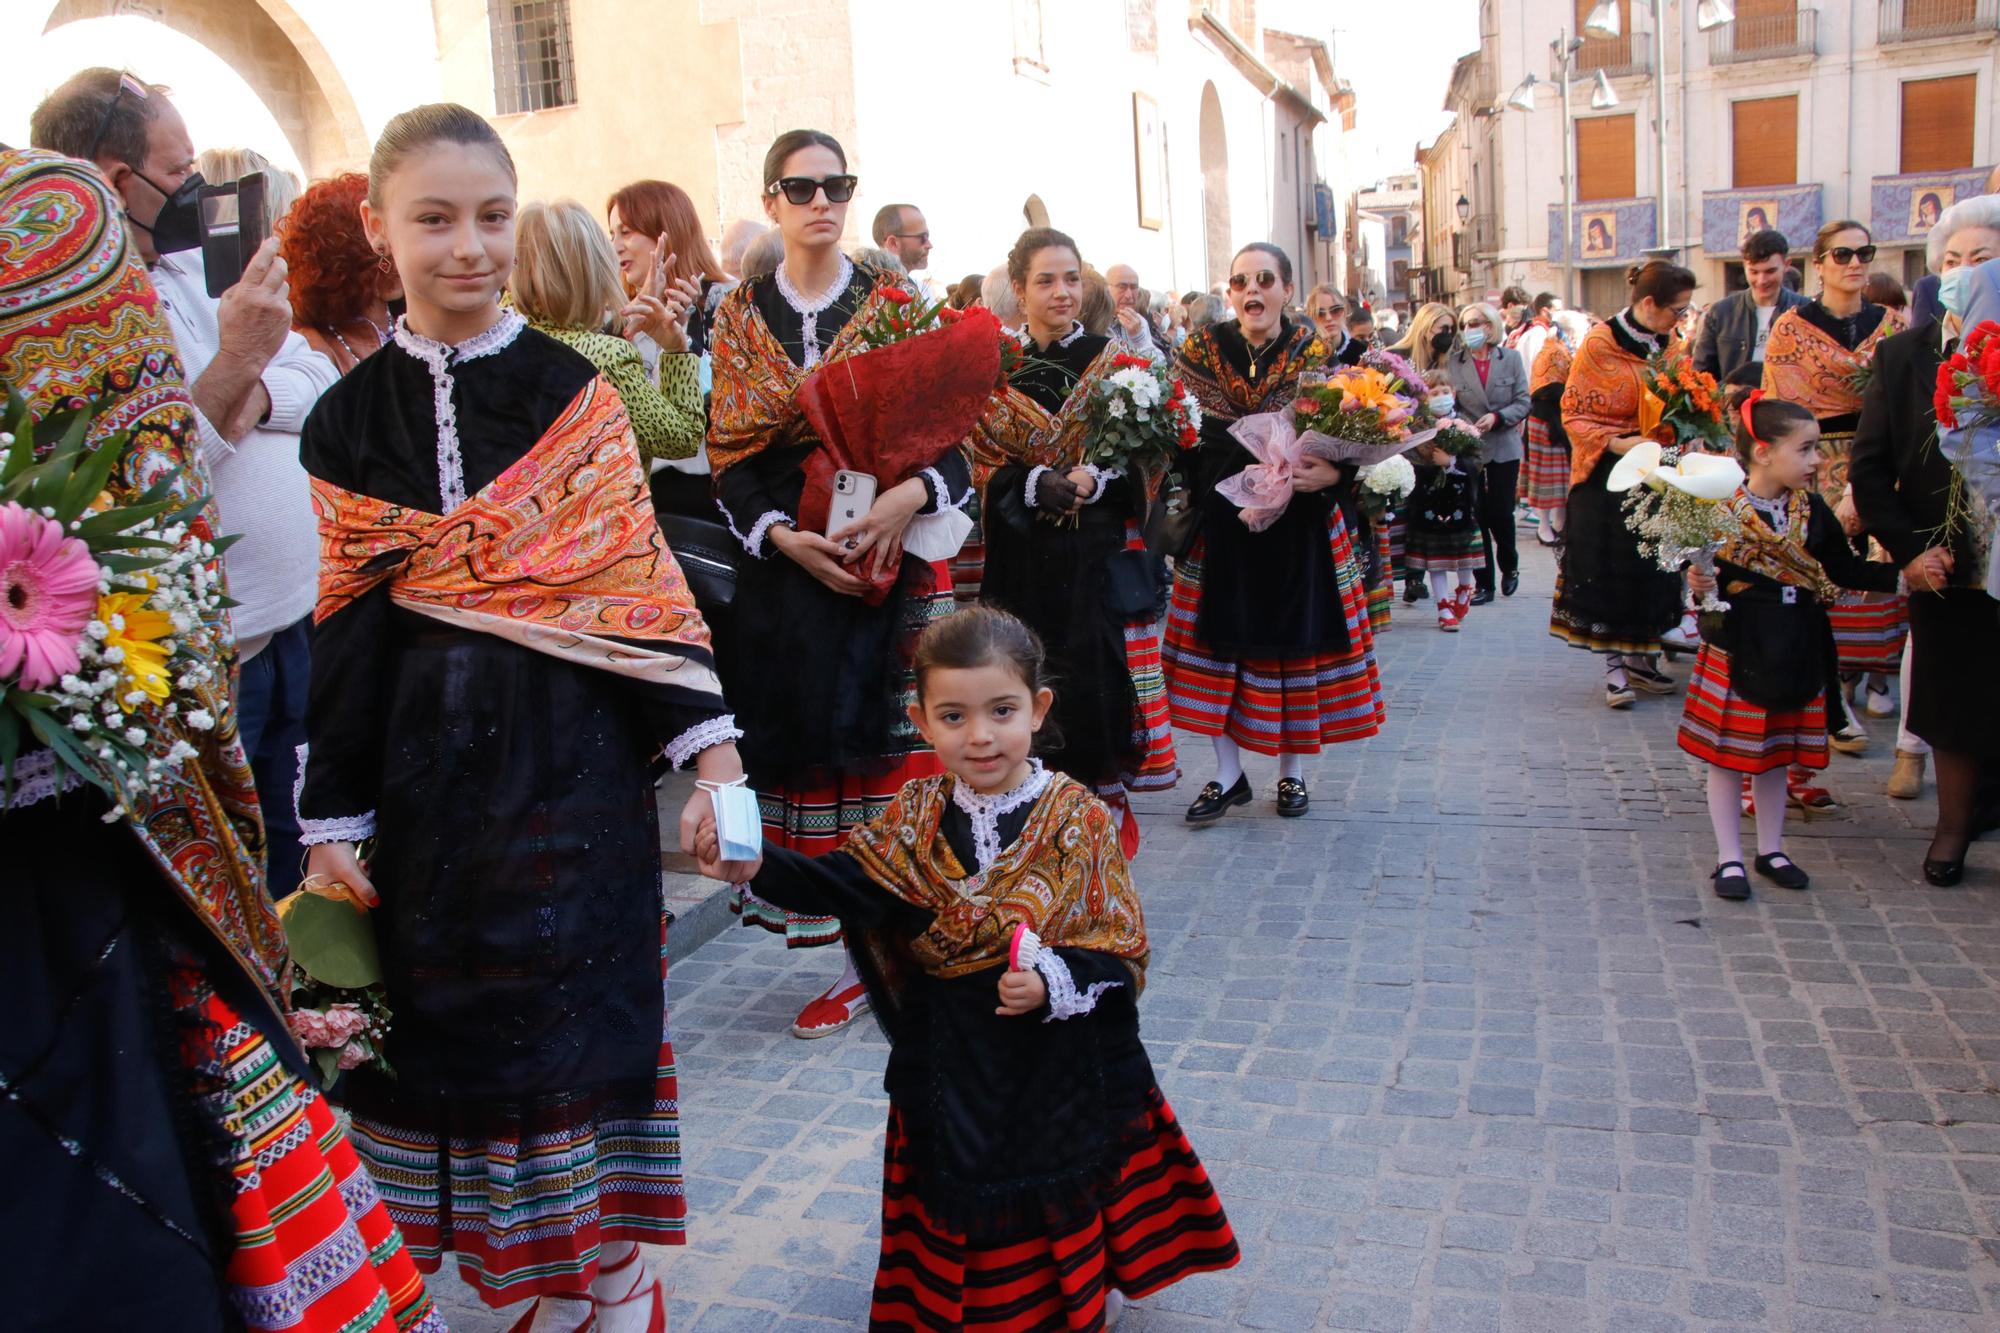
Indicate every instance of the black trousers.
{"type": "Point", "coordinates": [1499, 483]}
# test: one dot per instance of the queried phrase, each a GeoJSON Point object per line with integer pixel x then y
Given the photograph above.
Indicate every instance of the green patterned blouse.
{"type": "Point", "coordinates": [668, 419]}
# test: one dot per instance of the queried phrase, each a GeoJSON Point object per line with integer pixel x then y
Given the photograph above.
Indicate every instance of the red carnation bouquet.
{"type": "Point", "coordinates": [1968, 383]}
{"type": "Point", "coordinates": [896, 409]}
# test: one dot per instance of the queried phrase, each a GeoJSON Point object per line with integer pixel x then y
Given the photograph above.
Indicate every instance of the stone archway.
{"type": "Point", "coordinates": [1216, 235]}
{"type": "Point", "coordinates": [278, 55]}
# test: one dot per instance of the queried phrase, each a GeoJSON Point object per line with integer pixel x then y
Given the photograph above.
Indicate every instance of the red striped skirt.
{"type": "Point", "coordinates": [1289, 705]}
{"type": "Point", "coordinates": [1544, 468]}
{"type": "Point", "coordinates": [1399, 535]}
{"type": "Point", "coordinates": [315, 1250]}
{"type": "Point", "coordinates": [1382, 592]}
{"type": "Point", "coordinates": [1157, 767]}
{"type": "Point", "coordinates": [1161, 1222]}
{"type": "Point", "coordinates": [526, 1211]}
{"type": "Point", "coordinates": [1720, 727]}
{"type": "Point", "coordinates": [1869, 629]}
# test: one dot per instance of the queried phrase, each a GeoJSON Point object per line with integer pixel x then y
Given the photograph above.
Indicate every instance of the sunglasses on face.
{"type": "Point", "coordinates": [1844, 255]}
{"type": "Point", "coordinates": [1328, 312]}
{"type": "Point", "coordinates": [1263, 277]}
{"type": "Point", "coordinates": [801, 189]}
{"type": "Point", "coordinates": [921, 237]}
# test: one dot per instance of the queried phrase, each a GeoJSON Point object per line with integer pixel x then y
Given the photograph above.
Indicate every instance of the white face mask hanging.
{"type": "Point", "coordinates": [737, 827]}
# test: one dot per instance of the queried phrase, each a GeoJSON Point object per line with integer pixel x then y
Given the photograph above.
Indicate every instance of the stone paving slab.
{"type": "Point", "coordinates": [1467, 1048]}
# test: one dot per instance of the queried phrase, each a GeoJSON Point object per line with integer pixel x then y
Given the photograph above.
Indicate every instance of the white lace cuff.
{"type": "Point", "coordinates": [347, 828]}
{"type": "Point", "coordinates": [1102, 476]}
{"type": "Point", "coordinates": [682, 749]}
{"type": "Point", "coordinates": [1034, 475]}
{"type": "Point", "coordinates": [36, 778]}
{"type": "Point", "coordinates": [940, 491]}
{"type": "Point", "coordinates": [1065, 1001]}
{"type": "Point", "coordinates": [754, 541]}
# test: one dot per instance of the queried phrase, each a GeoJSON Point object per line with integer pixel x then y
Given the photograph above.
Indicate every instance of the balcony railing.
{"type": "Point", "coordinates": [1620, 57]}
{"type": "Point", "coordinates": [1919, 20]}
{"type": "Point", "coordinates": [1767, 37]}
{"type": "Point", "coordinates": [1485, 234]}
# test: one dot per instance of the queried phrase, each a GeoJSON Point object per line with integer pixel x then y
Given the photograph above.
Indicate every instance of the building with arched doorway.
{"type": "Point", "coordinates": [1158, 135]}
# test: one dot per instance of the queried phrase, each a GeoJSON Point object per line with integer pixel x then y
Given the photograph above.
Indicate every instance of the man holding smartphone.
{"type": "Point", "coordinates": [253, 382]}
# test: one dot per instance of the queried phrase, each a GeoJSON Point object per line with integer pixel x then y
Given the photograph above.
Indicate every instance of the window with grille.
{"type": "Point", "coordinates": [532, 66]}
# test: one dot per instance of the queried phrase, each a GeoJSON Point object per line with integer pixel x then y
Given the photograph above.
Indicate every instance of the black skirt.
{"type": "Point", "coordinates": [1956, 638]}
{"type": "Point", "coordinates": [1610, 597]}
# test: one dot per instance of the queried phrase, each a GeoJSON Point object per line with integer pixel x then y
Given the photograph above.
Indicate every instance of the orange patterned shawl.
{"type": "Point", "coordinates": [1017, 429]}
{"type": "Point", "coordinates": [1601, 401]}
{"type": "Point", "coordinates": [1064, 876]}
{"type": "Point", "coordinates": [1803, 365]}
{"type": "Point", "coordinates": [754, 405]}
{"type": "Point", "coordinates": [560, 553]}
{"type": "Point", "coordinates": [1552, 364]}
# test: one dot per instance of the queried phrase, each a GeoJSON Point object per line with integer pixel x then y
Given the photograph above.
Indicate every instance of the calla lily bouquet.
{"type": "Point", "coordinates": [107, 610]}
{"type": "Point", "coordinates": [1673, 504]}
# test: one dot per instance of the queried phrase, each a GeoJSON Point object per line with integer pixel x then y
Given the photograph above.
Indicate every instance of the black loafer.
{"type": "Point", "coordinates": [1484, 597]}
{"type": "Point", "coordinates": [1214, 802]}
{"type": "Point", "coordinates": [1733, 887]}
{"type": "Point", "coordinates": [1510, 584]}
{"type": "Point", "coordinates": [1782, 871]}
{"type": "Point", "coordinates": [1292, 798]}
{"type": "Point", "coordinates": [1413, 591]}
{"type": "Point", "coordinates": [1944, 874]}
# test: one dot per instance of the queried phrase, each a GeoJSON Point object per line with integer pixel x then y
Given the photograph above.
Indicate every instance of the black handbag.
{"type": "Point", "coordinates": [1132, 585]}
{"type": "Point", "coordinates": [1775, 647]}
{"type": "Point", "coordinates": [707, 553]}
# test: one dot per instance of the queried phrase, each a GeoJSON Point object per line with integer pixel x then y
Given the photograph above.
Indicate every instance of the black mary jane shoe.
{"type": "Point", "coordinates": [1734, 888]}
{"type": "Point", "coordinates": [1782, 871]}
{"type": "Point", "coordinates": [1414, 591]}
{"type": "Point", "coordinates": [1510, 583]}
{"type": "Point", "coordinates": [1214, 802]}
{"type": "Point", "coordinates": [1944, 874]}
{"type": "Point", "coordinates": [1292, 798]}
{"type": "Point", "coordinates": [1484, 597]}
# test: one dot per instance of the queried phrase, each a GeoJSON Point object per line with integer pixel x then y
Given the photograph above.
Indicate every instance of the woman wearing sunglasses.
{"type": "Point", "coordinates": [820, 678]}
{"type": "Point", "coordinates": [1818, 356]}
{"type": "Point", "coordinates": [1268, 643]}
{"type": "Point", "coordinates": [1611, 598]}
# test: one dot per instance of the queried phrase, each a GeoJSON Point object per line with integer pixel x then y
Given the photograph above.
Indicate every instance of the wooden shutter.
{"type": "Point", "coordinates": [1764, 141]}
{"type": "Point", "coordinates": [1923, 15]}
{"type": "Point", "coordinates": [1605, 168]}
{"type": "Point", "coordinates": [1764, 24]}
{"type": "Point", "coordinates": [1937, 123]}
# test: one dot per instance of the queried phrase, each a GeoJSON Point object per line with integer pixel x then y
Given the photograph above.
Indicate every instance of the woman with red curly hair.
{"type": "Point", "coordinates": [341, 288]}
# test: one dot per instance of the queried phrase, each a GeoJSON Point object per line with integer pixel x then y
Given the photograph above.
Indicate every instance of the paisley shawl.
{"type": "Point", "coordinates": [559, 553]}
{"type": "Point", "coordinates": [1552, 365]}
{"type": "Point", "coordinates": [1601, 399]}
{"type": "Point", "coordinates": [1781, 556]}
{"type": "Point", "coordinates": [1225, 393]}
{"type": "Point", "coordinates": [754, 405]}
{"type": "Point", "coordinates": [80, 321]}
{"type": "Point", "coordinates": [1064, 877]}
{"type": "Point", "coordinates": [1804, 364]}
{"type": "Point", "coordinates": [1017, 429]}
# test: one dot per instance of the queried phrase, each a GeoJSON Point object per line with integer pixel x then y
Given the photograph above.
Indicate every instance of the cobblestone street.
{"type": "Point", "coordinates": [1470, 1047]}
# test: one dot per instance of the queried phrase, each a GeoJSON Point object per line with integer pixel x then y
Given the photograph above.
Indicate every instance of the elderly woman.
{"type": "Point", "coordinates": [1902, 486]}
{"type": "Point", "coordinates": [1490, 387]}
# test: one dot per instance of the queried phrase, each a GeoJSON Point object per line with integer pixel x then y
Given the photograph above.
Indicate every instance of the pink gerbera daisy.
{"type": "Point", "coordinates": [48, 589]}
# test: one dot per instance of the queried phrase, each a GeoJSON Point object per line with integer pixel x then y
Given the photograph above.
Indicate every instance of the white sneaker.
{"type": "Point", "coordinates": [1685, 636]}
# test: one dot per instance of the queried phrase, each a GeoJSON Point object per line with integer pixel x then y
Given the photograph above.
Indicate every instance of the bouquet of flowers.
{"type": "Point", "coordinates": [1384, 486]}
{"type": "Point", "coordinates": [106, 610]}
{"type": "Point", "coordinates": [1683, 402]}
{"type": "Point", "coordinates": [1968, 383]}
{"type": "Point", "coordinates": [1673, 504]}
{"type": "Point", "coordinates": [1139, 415]}
{"type": "Point", "coordinates": [1967, 401]}
{"type": "Point", "coordinates": [1363, 414]}
{"type": "Point", "coordinates": [1459, 439]}
{"type": "Point", "coordinates": [901, 315]}
{"type": "Point", "coordinates": [339, 1013]}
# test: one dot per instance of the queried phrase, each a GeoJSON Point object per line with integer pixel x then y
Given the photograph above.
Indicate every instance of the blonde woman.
{"type": "Point", "coordinates": [220, 166]}
{"type": "Point", "coordinates": [1433, 330]}
{"type": "Point", "coordinates": [566, 283]}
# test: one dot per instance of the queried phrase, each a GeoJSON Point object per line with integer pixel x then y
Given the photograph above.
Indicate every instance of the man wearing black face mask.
{"type": "Point", "coordinates": [253, 382]}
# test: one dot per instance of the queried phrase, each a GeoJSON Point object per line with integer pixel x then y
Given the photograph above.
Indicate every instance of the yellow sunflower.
{"type": "Point", "coordinates": [145, 665]}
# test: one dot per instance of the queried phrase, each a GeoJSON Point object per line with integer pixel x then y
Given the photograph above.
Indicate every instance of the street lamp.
{"type": "Point", "coordinates": [1602, 97]}
{"type": "Point", "coordinates": [1711, 14]}
{"type": "Point", "coordinates": [1603, 21]}
{"type": "Point", "coordinates": [1523, 96]}
{"type": "Point", "coordinates": [1464, 209]}
{"type": "Point", "coordinates": [1564, 49]}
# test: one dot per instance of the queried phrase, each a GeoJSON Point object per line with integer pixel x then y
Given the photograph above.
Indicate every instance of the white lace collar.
{"type": "Point", "coordinates": [985, 811]}
{"type": "Point", "coordinates": [809, 311]}
{"type": "Point", "coordinates": [439, 358]}
{"type": "Point", "coordinates": [1076, 330]}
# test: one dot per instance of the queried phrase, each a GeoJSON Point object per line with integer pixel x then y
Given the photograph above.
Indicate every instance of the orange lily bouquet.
{"type": "Point", "coordinates": [1681, 405]}
{"type": "Point", "coordinates": [108, 611]}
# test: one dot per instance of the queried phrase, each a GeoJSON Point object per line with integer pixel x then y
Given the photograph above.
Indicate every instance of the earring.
{"type": "Point", "coordinates": [383, 262]}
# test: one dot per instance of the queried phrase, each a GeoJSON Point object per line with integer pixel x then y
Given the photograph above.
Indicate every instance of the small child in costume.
{"type": "Point", "coordinates": [1443, 539]}
{"type": "Point", "coordinates": [1034, 1174]}
{"type": "Point", "coordinates": [1756, 702]}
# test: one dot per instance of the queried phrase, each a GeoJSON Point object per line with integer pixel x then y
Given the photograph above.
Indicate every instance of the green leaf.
{"type": "Point", "coordinates": [22, 455]}
{"type": "Point", "coordinates": [327, 1061]}
{"type": "Point", "coordinates": [10, 747]}
{"type": "Point", "coordinates": [91, 476]}
{"type": "Point", "coordinates": [332, 940]}
{"type": "Point", "coordinates": [60, 739]}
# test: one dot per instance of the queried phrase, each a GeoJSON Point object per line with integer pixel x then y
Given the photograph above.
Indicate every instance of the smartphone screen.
{"type": "Point", "coordinates": [232, 227]}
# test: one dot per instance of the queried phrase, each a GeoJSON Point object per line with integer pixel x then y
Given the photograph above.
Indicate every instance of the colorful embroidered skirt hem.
{"type": "Point", "coordinates": [1545, 469]}
{"type": "Point", "coordinates": [1720, 727]}
{"type": "Point", "coordinates": [316, 1250]}
{"type": "Point", "coordinates": [1289, 705]}
{"type": "Point", "coordinates": [1869, 630]}
{"type": "Point", "coordinates": [1382, 592]}
{"type": "Point", "coordinates": [1157, 767]}
{"type": "Point", "coordinates": [527, 1211]}
{"type": "Point", "coordinates": [1161, 1222]}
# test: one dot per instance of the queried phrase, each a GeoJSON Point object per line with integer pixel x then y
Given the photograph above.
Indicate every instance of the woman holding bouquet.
{"type": "Point", "coordinates": [1819, 356]}
{"type": "Point", "coordinates": [1057, 530]}
{"type": "Point", "coordinates": [1268, 642]}
{"type": "Point", "coordinates": [487, 697]}
{"type": "Point", "coordinates": [819, 673]}
{"type": "Point", "coordinates": [1611, 597]}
